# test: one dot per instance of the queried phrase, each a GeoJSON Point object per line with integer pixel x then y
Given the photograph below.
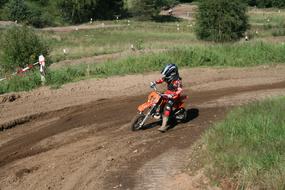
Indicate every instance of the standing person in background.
{"type": "Point", "coordinates": [42, 63]}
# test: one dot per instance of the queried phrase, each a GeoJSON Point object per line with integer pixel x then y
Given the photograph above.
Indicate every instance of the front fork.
{"type": "Point", "coordinates": [147, 116]}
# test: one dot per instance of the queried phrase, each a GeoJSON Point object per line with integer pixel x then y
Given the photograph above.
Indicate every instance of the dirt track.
{"type": "Point", "coordinates": [81, 139]}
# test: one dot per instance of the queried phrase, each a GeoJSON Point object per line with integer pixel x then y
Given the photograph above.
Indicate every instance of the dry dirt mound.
{"type": "Point", "coordinates": [184, 11]}
{"type": "Point", "coordinates": [83, 139]}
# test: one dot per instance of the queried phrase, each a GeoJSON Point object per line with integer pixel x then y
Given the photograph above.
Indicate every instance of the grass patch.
{"type": "Point", "coordinates": [238, 55]}
{"type": "Point", "coordinates": [248, 147]}
{"type": "Point", "coordinates": [21, 83]}
{"type": "Point", "coordinates": [86, 43]}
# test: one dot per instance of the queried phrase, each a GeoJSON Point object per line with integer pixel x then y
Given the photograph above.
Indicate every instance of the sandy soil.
{"type": "Point", "coordinates": [80, 27]}
{"type": "Point", "coordinates": [184, 11]}
{"type": "Point", "coordinates": [78, 137]}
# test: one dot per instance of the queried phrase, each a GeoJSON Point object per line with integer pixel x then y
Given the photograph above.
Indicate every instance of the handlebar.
{"type": "Point", "coordinates": [155, 89]}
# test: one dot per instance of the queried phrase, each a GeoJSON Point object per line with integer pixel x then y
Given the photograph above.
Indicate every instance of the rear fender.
{"type": "Point", "coordinates": [180, 103]}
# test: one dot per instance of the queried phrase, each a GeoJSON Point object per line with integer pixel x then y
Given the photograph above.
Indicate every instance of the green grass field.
{"type": "Point", "coordinates": [247, 148]}
{"type": "Point", "coordinates": [151, 35]}
{"type": "Point", "coordinates": [267, 22]}
{"type": "Point", "coordinates": [223, 55]}
{"type": "Point", "coordinates": [179, 46]}
{"type": "Point", "coordinates": [148, 35]}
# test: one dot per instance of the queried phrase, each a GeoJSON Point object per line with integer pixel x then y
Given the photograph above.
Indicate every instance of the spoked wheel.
{"type": "Point", "coordinates": [136, 122]}
{"type": "Point", "coordinates": [182, 116]}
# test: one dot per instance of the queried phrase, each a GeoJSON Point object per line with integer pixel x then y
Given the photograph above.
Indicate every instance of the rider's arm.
{"type": "Point", "coordinates": [159, 81]}
{"type": "Point", "coordinates": [179, 89]}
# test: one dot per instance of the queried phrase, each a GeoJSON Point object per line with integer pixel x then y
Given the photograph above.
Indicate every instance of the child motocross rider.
{"type": "Point", "coordinates": [174, 88]}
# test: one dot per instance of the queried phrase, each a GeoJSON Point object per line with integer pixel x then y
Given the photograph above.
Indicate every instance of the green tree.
{"type": "Point", "coordinates": [107, 9]}
{"type": "Point", "coordinates": [278, 3]}
{"type": "Point", "coordinates": [147, 9]}
{"type": "Point", "coordinates": [264, 3]}
{"type": "Point", "coordinates": [21, 46]}
{"type": "Point", "coordinates": [221, 20]}
{"type": "Point", "coordinates": [16, 10]}
{"type": "Point", "coordinates": [143, 9]}
{"type": "Point", "coordinates": [78, 11]}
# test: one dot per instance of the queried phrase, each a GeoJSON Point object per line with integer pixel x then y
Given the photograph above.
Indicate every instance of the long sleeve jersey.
{"type": "Point", "coordinates": [174, 88]}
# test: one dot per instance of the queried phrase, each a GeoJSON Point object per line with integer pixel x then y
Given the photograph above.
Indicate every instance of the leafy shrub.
{"type": "Point", "coordinates": [38, 16]}
{"type": "Point", "coordinates": [77, 11]}
{"type": "Point", "coordinates": [147, 9]}
{"type": "Point", "coordinates": [16, 10]}
{"type": "Point", "coordinates": [21, 83]}
{"type": "Point", "coordinates": [21, 46]}
{"type": "Point", "coordinates": [266, 3]}
{"type": "Point", "coordinates": [278, 3]}
{"type": "Point", "coordinates": [221, 20]}
{"type": "Point", "coordinates": [278, 32]}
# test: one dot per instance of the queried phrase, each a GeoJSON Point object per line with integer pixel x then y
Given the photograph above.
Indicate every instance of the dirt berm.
{"type": "Point", "coordinates": [78, 137]}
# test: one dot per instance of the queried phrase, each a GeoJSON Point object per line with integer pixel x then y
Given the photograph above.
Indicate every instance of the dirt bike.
{"type": "Point", "coordinates": [154, 108]}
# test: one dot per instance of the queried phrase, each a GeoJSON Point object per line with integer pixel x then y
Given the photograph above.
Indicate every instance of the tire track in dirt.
{"type": "Point", "coordinates": [113, 113]}
{"type": "Point", "coordinates": [158, 164]}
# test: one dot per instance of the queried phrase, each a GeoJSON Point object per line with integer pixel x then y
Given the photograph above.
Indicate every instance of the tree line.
{"type": "Point", "coordinates": [40, 13]}
{"type": "Point", "coordinates": [267, 3]}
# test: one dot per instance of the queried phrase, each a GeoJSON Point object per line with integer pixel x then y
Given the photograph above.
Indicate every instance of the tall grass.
{"type": "Point", "coordinates": [238, 55]}
{"type": "Point", "coordinates": [21, 83]}
{"type": "Point", "coordinates": [248, 147]}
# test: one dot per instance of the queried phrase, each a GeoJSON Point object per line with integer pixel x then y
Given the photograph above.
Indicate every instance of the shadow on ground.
{"type": "Point", "coordinates": [166, 18]}
{"type": "Point", "coordinates": [192, 114]}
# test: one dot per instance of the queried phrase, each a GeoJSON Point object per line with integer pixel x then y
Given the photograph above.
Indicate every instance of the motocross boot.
{"type": "Point", "coordinates": [164, 126]}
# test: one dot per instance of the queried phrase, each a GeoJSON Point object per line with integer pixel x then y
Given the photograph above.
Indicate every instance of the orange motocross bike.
{"type": "Point", "coordinates": [154, 108]}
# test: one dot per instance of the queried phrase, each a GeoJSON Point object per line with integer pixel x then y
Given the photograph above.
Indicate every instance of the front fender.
{"type": "Point", "coordinates": [144, 106]}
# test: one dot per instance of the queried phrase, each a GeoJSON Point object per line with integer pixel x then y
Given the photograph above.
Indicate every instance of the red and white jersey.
{"type": "Point", "coordinates": [174, 88]}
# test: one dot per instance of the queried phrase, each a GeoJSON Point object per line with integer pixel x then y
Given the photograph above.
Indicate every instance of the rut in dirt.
{"type": "Point", "coordinates": [112, 112]}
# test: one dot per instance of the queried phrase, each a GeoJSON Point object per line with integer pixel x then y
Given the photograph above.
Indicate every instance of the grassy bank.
{"type": "Point", "coordinates": [238, 55]}
{"type": "Point", "coordinates": [247, 149]}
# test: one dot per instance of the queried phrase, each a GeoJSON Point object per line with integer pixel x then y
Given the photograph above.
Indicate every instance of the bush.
{"type": "Point", "coordinates": [147, 9]}
{"type": "Point", "coordinates": [278, 32]}
{"type": "Point", "coordinates": [78, 11]}
{"type": "Point", "coordinates": [266, 3]}
{"type": "Point", "coordinates": [143, 9]}
{"type": "Point", "coordinates": [38, 19]}
{"type": "Point", "coordinates": [20, 47]}
{"type": "Point", "coordinates": [16, 10]}
{"type": "Point", "coordinates": [221, 20]}
{"type": "Point", "coordinates": [278, 3]}
{"type": "Point", "coordinates": [21, 83]}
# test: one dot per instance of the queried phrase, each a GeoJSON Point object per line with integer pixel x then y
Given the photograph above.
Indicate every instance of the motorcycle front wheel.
{"type": "Point", "coordinates": [136, 122]}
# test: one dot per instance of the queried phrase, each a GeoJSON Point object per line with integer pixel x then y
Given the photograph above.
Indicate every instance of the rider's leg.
{"type": "Point", "coordinates": [165, 118]}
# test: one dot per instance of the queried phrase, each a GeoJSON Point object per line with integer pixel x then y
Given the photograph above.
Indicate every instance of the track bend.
{"type": "Point", "coordinates": [90, 146]}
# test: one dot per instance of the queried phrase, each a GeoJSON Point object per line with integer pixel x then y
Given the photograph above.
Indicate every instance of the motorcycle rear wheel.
{"type": "Point", "coordinates": [182, 116]}
{"type": "Point", "coordinates": [135, 125]}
